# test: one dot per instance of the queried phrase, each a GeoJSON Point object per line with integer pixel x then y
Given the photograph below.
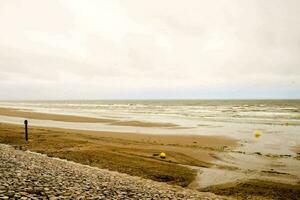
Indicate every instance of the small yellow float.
{"type": "Point", "coordinates": [162, 155]}
{"type": "Point", "coordinates": [257, 134]}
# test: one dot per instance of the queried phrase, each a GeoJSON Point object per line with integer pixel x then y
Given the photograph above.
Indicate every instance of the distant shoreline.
{"type": "Point", "coordinates": [11, 112]}
{"type": "Point", "coordinates": [154, 99]}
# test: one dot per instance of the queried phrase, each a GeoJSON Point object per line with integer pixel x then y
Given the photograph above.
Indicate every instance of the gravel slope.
{"type": "Point", "coordinates": [28, 175]}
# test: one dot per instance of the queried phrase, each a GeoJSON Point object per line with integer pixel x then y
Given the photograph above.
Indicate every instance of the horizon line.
{"type": "Point", "coordinates": [154, 99]}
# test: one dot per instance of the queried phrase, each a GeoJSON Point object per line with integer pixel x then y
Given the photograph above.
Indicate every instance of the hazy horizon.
{"type": "Point", "coordinates": [141, 99]}
{"type": "Point", "coordinates": [91, 50]}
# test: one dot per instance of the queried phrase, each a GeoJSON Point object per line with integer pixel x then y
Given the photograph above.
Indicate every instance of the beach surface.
{"type": "Point", "coordinates": [27, 175]}
{"type": "Point", "coordinates": [135, 154]}
{"type": "Point", "coordinates": [220, 163]}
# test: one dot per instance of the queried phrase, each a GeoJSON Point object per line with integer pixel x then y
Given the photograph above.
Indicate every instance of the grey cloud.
{"type": "Point", "coordinates": [149, 47]}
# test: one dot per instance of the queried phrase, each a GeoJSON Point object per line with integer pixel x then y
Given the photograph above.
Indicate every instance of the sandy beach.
{"type": "Point", "coordinates": [130, 153]}
{"type": "Point", "coordinates": [200, 162]}
{"type": "Point", "coordinates": [54, 178]}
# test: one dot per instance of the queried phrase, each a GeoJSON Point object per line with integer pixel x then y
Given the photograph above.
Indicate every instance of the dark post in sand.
{"type": "Point", "coordinates": [26, 131]}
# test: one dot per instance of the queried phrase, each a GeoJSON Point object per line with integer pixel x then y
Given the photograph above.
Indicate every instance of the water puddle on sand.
{"type": "Point", "coordinates": [213, 176]}
{"type": "Point", "coordinates": [237, 167]}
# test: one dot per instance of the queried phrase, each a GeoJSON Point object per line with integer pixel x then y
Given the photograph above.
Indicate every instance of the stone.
{"type": "Point", "coordinates": [10, 193]}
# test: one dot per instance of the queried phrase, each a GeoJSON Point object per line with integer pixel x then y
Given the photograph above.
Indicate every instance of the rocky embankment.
{"type": "Point", "coordinates": [27, 175]}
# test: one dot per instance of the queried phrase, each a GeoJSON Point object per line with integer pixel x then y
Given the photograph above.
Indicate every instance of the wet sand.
{"type": "Point", "coordinates": [71, 118]}
{"type": "Point", "coordinates": [296, 149]}
{"type": "Point", "coordinates": [135, 154]}
{"type": "Point", "coordinates": [256, 189]}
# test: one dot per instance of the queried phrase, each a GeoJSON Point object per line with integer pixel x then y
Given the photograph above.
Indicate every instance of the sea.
{"type": "Point", "coordinates": [235, 118]}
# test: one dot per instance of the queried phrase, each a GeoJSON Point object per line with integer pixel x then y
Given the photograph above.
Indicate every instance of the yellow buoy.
{"type": "Point", "coordinates": [257, 134]}
{"type": "Point", "coordinates": [162, 155]}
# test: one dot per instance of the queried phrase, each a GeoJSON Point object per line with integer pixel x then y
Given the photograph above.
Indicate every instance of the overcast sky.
{"type": "Point", "coordinates": [93, 49]}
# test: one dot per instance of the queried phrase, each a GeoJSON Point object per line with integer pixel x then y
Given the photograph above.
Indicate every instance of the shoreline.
{"type": "Point", "coordinates": [12, 112]}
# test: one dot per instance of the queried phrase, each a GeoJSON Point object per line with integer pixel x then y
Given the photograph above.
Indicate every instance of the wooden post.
{"type": "Point", "coordinates": [26, 131]}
